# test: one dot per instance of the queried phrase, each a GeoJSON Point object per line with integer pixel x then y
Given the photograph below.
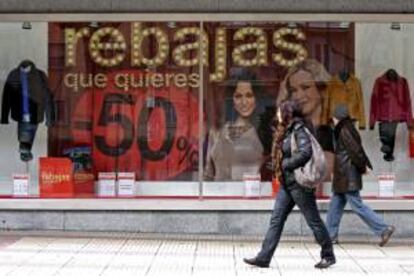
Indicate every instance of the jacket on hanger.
{"type": "Point", "coordinates": [348, 93]}
{"type": "Point", "coordinates": [390, 101]}
{"type": "Point", "coordinates": [26, 96]}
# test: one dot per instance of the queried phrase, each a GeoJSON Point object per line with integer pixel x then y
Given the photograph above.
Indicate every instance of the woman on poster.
{"type": "Point", "coordinates": [235, 148]}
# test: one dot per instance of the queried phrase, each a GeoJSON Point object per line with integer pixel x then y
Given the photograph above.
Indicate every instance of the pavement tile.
{"type": "Point", "coordinates": [157, 255]}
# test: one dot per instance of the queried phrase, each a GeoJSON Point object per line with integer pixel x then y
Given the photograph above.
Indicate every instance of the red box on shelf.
{"type": "Point", "coordinates": [55, 177]}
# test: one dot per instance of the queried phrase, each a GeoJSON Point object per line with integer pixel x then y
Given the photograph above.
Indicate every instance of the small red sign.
{"type": "Point", "coordinates": [55, 177]}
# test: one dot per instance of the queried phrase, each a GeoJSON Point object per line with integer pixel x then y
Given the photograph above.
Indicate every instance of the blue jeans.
{"type": "Point", "coordinates": [26, 133]}
{"type": "Point", "coordinates": [285, 201]}
{"type": "Point", "coordinates": [336, 209]}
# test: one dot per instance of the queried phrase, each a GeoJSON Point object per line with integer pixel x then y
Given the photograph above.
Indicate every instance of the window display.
{"type": "Point", "coordinates": [27, 98]}
{"type": "Point", "coordinates": [390, 105]}
{"type": "Point", "coordinates": [345, 88]}
{"type": "Point", "coordinates": [187, 109]}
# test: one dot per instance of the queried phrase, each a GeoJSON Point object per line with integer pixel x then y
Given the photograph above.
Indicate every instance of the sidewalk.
{"type": "Point", "coordinates": [74, 253]}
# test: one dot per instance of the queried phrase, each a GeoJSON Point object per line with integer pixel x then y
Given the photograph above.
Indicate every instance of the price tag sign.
{"type": "Point", "coordinates": [106, 183]}
{"type": "Point", "coordinates": [251, 185]}
{"type": "Point", "coordinates": [126, 184]}
{"type": "Point", "coordinates": [20, 185]}
{"type": "Point", "coordinates": [386, 184]}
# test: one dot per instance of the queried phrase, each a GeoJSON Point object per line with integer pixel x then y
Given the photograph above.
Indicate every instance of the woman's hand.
{"type": "Point", "coordinates": [367, 171]}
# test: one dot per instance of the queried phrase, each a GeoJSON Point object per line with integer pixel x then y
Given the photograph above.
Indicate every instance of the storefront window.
{"type": "Point", "coordinates": [125, 109]}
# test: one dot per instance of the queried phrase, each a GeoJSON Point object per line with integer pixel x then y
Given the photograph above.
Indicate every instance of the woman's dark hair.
{"type": "Point", "coordinates": [242, 75]}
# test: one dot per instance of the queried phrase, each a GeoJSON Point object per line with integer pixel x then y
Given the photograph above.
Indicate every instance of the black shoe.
{"type": "Point", "coordinates": [389, 157]}
{"type": "Point", "coordinates": [26, 156]}
{"type": "Point", "coordinates": [325, 263]}
{"type": "Point", "coordinates": [255, 262]}
{"type": "Point", "coordinates": [386, 235]}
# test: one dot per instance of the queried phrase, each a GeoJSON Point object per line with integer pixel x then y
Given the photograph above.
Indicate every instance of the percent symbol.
{"type": "Point", "coordinates": [191, 154]}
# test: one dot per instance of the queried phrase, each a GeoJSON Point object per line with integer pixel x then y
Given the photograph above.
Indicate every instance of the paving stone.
{"type": "Point", "coordinates": [70, 254]}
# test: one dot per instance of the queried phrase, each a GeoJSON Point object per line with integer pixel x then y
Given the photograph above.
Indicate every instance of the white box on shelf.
{"type": "Point", "coordinates": [20, 185]}
{"type": "Point", "coordinates": [106, 184]}
{"type": "Point", "coordinates": [126, 184]}
{"type": "Point", "coordinates": [251, 185]}
{"type": "Point", "coordinates": [386, 185]}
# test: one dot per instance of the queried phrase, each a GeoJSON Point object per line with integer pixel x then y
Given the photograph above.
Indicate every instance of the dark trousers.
{"type": "Point", "coordinates": [26, 133]}
{"type": "Point", "coordinates": [285, 201]}
{"type": "Point", "coordinates": [387, 132]}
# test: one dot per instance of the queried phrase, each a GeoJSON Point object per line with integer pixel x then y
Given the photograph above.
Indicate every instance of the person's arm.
{"type": "Point", "coordinates": [304, 150]}
{"type": "Point", "coordinates": [373, 116]}
{"type": "Point", "coordinates": [326, 105]}
{"type": "Point", "coordinates": [360, 116]}
{"type": "Point", "coordinates": [49, 104]}
{"type": "Point", "coordinates": [407, 101]}
{"type": "Point", "coordinates": [6, 103]}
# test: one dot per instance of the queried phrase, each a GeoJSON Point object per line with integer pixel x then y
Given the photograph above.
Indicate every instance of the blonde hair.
{"type": "Point", "coordinates": [314, 67]}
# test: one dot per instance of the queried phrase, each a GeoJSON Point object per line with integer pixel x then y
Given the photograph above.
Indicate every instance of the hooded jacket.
{"type": "Point", "coordinates": [40, 98]}
{"type": "Point", "coordinates": [350, 158]}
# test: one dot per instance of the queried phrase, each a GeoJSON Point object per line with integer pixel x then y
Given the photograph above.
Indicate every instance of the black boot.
{"type": "Point", "coordinates": [325, 263]}
{"type": "Point", "coordinates": [255, 262]}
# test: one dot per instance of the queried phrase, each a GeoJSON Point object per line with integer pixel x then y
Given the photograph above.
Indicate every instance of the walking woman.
{"type": "Point", "coordinates": [291, 122]}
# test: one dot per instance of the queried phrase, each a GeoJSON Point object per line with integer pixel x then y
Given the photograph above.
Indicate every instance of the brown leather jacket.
{"type": "Point", "coordinates": [350, 158]}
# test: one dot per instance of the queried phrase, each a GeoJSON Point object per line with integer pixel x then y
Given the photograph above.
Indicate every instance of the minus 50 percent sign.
{"type": "Point", "coordinates": [190, 153]}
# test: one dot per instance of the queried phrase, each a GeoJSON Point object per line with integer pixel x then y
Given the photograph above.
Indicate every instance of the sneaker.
{"type": "Point", "coordinates": [386, 235]}
{"type": "Point", "coordinates": [325, 263]}
{"type": "Point", "coordinates": [255, 262]}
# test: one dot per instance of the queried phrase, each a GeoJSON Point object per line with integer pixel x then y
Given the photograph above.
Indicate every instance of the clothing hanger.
{"type": "Point", "coordinates": [26, 63]}
{"type": "Point", "coordinates": [344, 74]}
{"type": "Point", "coordinates": [391, 74]}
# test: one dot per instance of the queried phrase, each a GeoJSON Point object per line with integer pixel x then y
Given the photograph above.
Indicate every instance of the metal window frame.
{"type": "Point", "coordinates": [186, 17]}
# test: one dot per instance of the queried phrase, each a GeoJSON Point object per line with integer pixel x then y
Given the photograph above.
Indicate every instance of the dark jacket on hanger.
{"type": "Point", "coordinates": [40, 99]}
{"type": "Point", "coordinates": [390, 100]}
{"type": "Point", "coordinates": [350, 158]}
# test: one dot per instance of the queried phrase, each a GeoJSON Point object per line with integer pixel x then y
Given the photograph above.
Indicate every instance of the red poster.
{"type": "Point", "coordinates": [55, 177]}
{"type": "Point", "coordinates": [151, 133]}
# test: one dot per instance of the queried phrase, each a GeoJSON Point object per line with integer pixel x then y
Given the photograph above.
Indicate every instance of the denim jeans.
{"type": "Point", "coordinates": [26, 133]}
{"type": "Point", "coordinates": [285, 201]}
{"type": "Point", "coordinates": [336, 209]}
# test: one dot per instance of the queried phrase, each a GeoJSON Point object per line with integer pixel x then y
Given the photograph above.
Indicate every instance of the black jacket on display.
{"type": "Point", "coordinates": [40, 97]}
{"type": "Point", "coordinates": [291, 162]}
{"type": "Point", "coordinates": [350, 158]}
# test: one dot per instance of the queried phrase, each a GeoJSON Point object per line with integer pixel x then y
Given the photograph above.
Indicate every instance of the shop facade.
{"type": "Point", "coordinates": [163, 122]}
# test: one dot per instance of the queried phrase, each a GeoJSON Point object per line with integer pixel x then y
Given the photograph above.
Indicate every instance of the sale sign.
{"type": "Point", "coordinates": [131, 91]}
{"type": "Point", "coordinates": [157, 141]}
{"type": "Point", "coordinates": [55, 177]}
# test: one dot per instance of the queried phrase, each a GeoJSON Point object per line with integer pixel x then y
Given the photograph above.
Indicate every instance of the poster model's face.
{"type": "Point", "coordinates": [303, 88]}
{"type": "Point", "coordinates": [244, 99]}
